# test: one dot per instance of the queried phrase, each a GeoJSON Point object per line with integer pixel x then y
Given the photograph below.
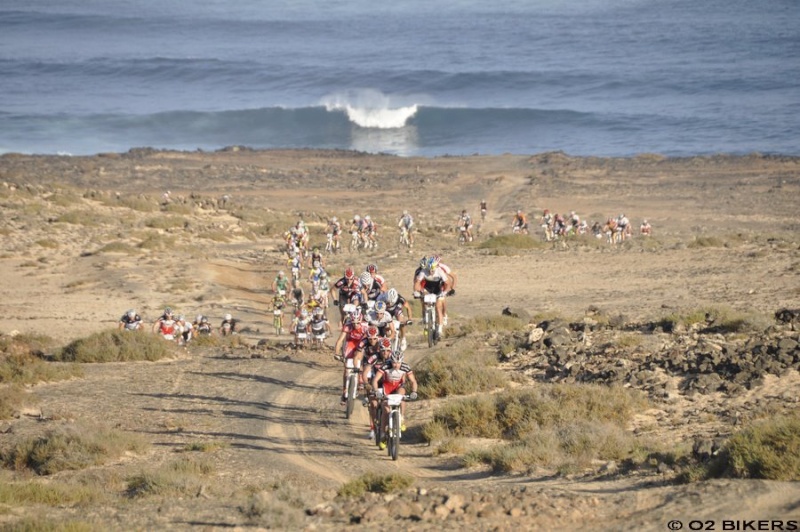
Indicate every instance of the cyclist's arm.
{"type": "Point", "coordinates": [339, 341]}
{"type": "Point", "coordinates": [375, 378]}
{"type": "Point", "coordinates": [413, 380]}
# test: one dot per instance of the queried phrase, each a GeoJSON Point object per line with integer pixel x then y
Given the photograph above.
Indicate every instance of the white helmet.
{"type": "Point", "coordinates": [334, 219]}
{"type": "Point", "coordinates": [228, 317]}
{"type": "Point", "coordinates": [356, 217]}
{"type": "Point", "coordinates": [131, 313]}
{"type": "Point", "coordinates": [392, 296]}
{"type": "Point", "coordinates": [405, 213]}
{"type": "Point", "coordinates": [199, 318]}
{"type": "Point", "coordinates": [366, 279]}
{"type": "Point", "coordinates": [367, 217]}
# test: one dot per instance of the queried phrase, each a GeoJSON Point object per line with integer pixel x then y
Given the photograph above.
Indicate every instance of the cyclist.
{"type": "Point", "coordinates": [130, 321]}
{"type": "Point", "coordinates": [201, 325]}
{"type": "Point", "coordinates": [465, 224]}
{"type": "Point", "coordinates": [376, 356]}
{"type": "Point", "coordinates": [301, 324]}
{"type": "Point", "coordinates": [335, 230]}
{"type": "Point", "coordinates": [436, 278]}
{"type": "Point", "coordinates": [483, 210]}
{"type": "Point", "coordinates": [520, 223]}
{"type": "Point", "coordinates": [407, 222]}
{"type": "Point", "coordinates": [378, 317]}
{"type": "Point", "coordinates": [350, 345]}
{"type": "Point", "coordinates": [281, 284]}
{"type": "Point", "coordinates": [320, 328]}
{"type": "Point", "coordinates": [167, 317]}
{"type": "Point", "coordinates": [229, 325]}
{"type": "Point", "coordinates": [394, 376]}
{"type": "Point", "coordinates": [349, 291]}
{"type": "Point", "coordinates": [398, 308]}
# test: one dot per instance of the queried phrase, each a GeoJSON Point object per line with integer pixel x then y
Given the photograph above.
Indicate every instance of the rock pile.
{"type": "Point", "coordinates": [705, 361]}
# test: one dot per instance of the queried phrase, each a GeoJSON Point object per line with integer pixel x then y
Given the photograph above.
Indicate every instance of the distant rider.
{"type": "Point", "coordinates": [131, 321]}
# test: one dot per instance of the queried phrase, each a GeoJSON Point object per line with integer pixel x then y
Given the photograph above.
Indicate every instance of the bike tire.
{"type": "Point", "coordinates": [378, 431]}
{"type": "Point", "coordinates": [431, 327]}
{"type": "Point", "coordinates": [394, 437]}
{"type": "Point", "coordinates": [352, 390]}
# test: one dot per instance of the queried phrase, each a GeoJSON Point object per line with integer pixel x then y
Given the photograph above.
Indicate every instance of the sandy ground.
{"type": "Point", "coordinates": [725, 234]}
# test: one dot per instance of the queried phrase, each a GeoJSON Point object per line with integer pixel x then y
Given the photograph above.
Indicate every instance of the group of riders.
{"type": "Point", "coordinates": [372, 316]}
{"type": "Point", "coordinates": [176, 327]}
{"type": "Point", "coordinates": [557, 226]}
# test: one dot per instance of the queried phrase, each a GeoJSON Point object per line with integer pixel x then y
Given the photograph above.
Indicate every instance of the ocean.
{"type": "Point", "coordinates": [457, 77]}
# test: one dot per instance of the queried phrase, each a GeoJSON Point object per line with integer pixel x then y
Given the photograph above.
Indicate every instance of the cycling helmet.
{"type": "Point", "coordinates": [281, 273]}
{"type": "Point", "coordinates": [227, 317]}
{"type": "Point", "coordinates": [372, 332]}
{"type": "Point", "coordinates": [380, 306]}
{"type": "Point", "coordinates": [433, 263]}
{"type": "Point", "coordinates": [199, 318]}
{"type": "Point", "coordinates": [132, 313]}
{"type": "Point", "coordinates": [423, 262]}
{"type": "Point", "coordinates": [392, 296]}
{"type": "Point", "coordinates": [356, 217]}
{"type": "Point", "coordinates": [386, 345]}
{"type": "Point", "coordinates": [397, 356]}
{"type": "Point", "coordinates": [304, 313]}
{"type": "Point", "coordinates": [405, 213]}
{"type": "Point", "coordinates": [371, 268]}
{"type": "Point", "coordinates": [366, 279]}
{"type": "Point", "coordinates": [356, 315]}
{"type": "Point", "coordinates": [319, 312]}
{"type": "Point", "coordinates": [349, 273]}
{"type": "Point", "coordinates": [367, 217]}
{"type": "Point", "coordinates": [204, 320]}
{"type": "Point", "coordinates": [334, 219]}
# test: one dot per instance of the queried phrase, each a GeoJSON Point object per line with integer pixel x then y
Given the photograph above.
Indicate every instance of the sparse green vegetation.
{"type": "Point", "coordinates": [554, 425]}
{"type": "Point", "coordinates": [50, 493]}
{"type": "Point", "coordinates": [117, 346]}
{"type": "Point", "coordinates": [118, 247]}
{"type": "Point", "coordinates": [21, 363]}
{"type": "Point", "coordinates": [719, 318]}
{"type": "Point", "coordinates": [181, 477]}
{"type": "Point", "coordinates": [505, 244]}
{"type": "Point", "coordinates": [87, 218]}
{"type": "Point", "coordinates": [41, 524]}
{"type": "Point", "coordinates": [165, 222]}
{"type": "Point", "coordinates": [375, 483]}
{"type": "Point", "coordinates": [205, 446]}
{"type": "Point", "coordinates": [447, 373]}
{"type": "Point", "coordinates": [767, 449]}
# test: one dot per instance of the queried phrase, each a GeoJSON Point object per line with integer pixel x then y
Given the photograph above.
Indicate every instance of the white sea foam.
{"type": "Point", "coordinates": [369, 108]}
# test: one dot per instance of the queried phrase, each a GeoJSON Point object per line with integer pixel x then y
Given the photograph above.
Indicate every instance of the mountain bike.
{"type": "Point", "coordinates": [429, 319]}
{"type": "Point", "coordinates": [404, 241]}
{"type": "Point", "coordinates": [332, 244]}
{"type": "Point", "coordinates": [277, 321]}
{"type": "Point", "coordinates": [396, 340]}
{"type": "Point", "coordinates": [355, 241]}
{"type": "Point", "coordinates": [394, 424]}
{"type": "Point", "coordinates": [462, 235]}
{"type": "Point", "coordinates": [351, 392]}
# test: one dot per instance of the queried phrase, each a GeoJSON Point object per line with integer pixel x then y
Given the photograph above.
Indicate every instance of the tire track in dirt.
{"type": "Point", "coordinates": [306, 426]}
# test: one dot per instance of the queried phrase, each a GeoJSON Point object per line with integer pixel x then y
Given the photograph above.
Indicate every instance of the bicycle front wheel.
{"type": "Point", "coordinates": [394, 436]}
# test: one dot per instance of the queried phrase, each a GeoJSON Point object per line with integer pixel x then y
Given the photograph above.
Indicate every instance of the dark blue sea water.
{"type": "Point", "coordinates": [589, 77]}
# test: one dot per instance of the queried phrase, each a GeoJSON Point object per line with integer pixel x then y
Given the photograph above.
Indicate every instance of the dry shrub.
{"type": "Point", "coordinates": [117, 346]}
{"type": "Point", "coordinates": [70, 448]}
{"type": "Point", "coordinates": [11, 399]}
{"type": "Point", "coordinates": [42, 524]}
{"type": "Point", "coordinates": [21, 361]}
{"type": "Point", "coordinates": [512, 242]}
{"type": "Point", "coordinates": [375, 483]}
{"type": "Point", "coordinates": [546, 425]}
{"type": "Point", "coordinates": [178, 478]}
{"type": "Point", "coordinates": [50, 493]}
{"type": "Point", "coordinates": [448, 373]}
{"type": "Point", "coordinates": [768, 449]}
